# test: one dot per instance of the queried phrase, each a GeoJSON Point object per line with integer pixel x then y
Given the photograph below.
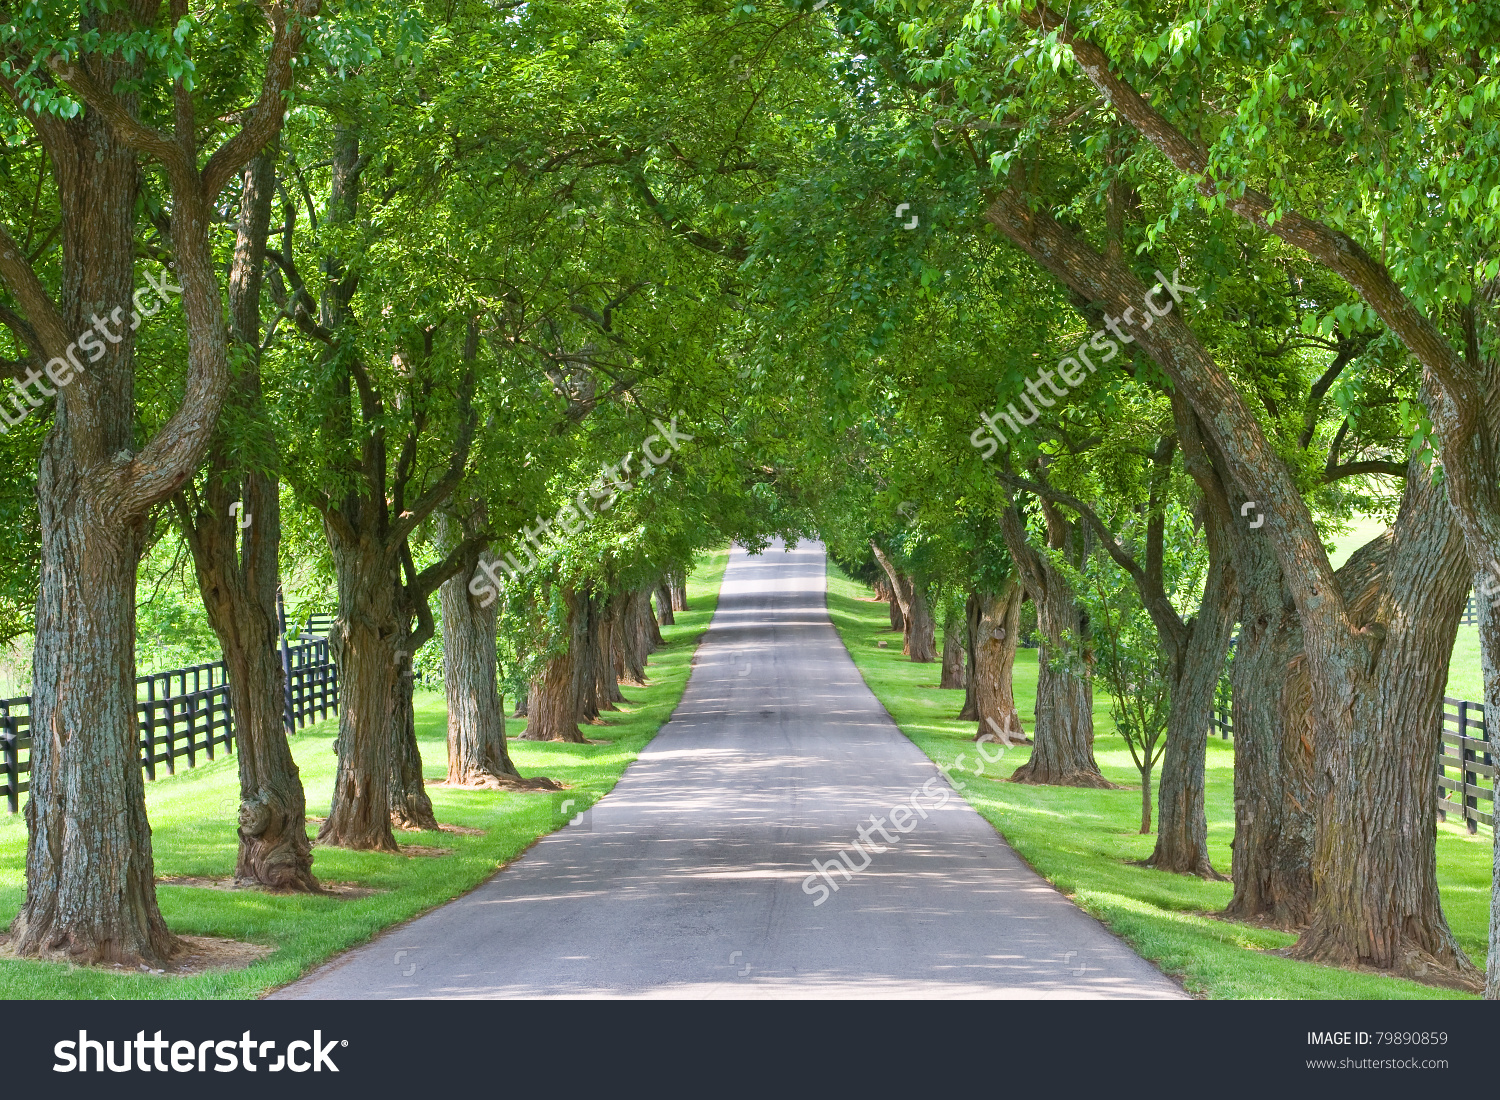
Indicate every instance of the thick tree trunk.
{"type": "Point", "coordinates": [1272, 721]}
{"type": "Point", "coordinates": [477, 752]}
{"type": "Point", "coordinates": [366, 637]}
{"type": "Point", "coordinates": [1063, 753]}
{"type": "Point", "coordinates": [589, 656]}
{"type": "Point", "coordinates": [953, 651]}
{"type": "Point", "coordinates": [1374, 867]}
{"type": "Point", "coordinates": [898, 621]}
{"type": "Point", "coordinates": [919, 635]}
{"type": "Point", "coordinates": [664, 603]}
{"type": "Point", "coordinates": [972, 613]}
{"type": "Point", "coordinates": [90, 879]}
{"type": "Point", "coordinates": [634, 638]}
{"type": "Point", "coordinates": [679, 590]}
{"type": "Point", "coordinates": [553, 704]}
{"type": "Point", "coordinates": [602, 656]}
{"type": "Point", "coordinates": [996, 633]}
{"type": "Point", "coordinates": [612, 652]}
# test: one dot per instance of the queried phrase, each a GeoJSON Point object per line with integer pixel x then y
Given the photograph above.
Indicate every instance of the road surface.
{"type": "Point", "coordinates": [694, 877]}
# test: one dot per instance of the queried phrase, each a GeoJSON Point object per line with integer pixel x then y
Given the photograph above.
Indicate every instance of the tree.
{"type": "Point", "coordinates": [1132, 664]}
{"type": "Point", "coordinates": [86, 814]}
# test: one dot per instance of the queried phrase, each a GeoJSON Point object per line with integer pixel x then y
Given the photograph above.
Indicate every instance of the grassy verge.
{"type": "Point", "coordinates": [192, 836]}
{"type": "Point", "coordinates": [1086, 842]}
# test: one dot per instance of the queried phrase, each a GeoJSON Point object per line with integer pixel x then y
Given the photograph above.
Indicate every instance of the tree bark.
{"type": "Point", "coordinates": [1182, 822]}
{"type": "Point", "coordinates": [552, 709]}
{"type": "Point", "coordinates": [239, 587]}
{"type": "Point", "coordinates": [679, 590]}
{"type": "Point", "coordinates": [634, 638]}
{"type": "Point", "coordinates": [1063, 753]}
{"type": "Point", "coordinates": [1196, 651]}
{"type": "Point", "coordinates": [1273, 730]}
{"type": "Point", "coordinates": [664, 603]}
{"type": "Point", "coordinates": [585, 646]}
{"type": "Point", "coordinates": [953, 651]}
{"type": "Point", "coordinates": [997, 633]}
{"type": "Point", "coordinates": [654, 639]}
{"type": "Point", "coordinates": [411, 808]}
{"type": "Point", "coordinates": [972, 613]}
{"type": "Point", "coordinates": [612, 652]}
{"type": "Point", "coordinates": [477, 753]}
{"type": "Point", "coordinates": [918, 630]}
{"type": "Point", "coordinates": [366, 637]}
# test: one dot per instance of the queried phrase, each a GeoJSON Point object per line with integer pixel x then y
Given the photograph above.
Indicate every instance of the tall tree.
{"type": "Point", "coordinates": [86, 813]}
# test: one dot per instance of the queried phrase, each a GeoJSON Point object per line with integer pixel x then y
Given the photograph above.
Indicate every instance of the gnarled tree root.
{"type": "Point", "coordinates": [1449, 968]}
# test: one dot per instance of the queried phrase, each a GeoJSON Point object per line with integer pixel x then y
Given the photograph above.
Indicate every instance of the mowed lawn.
{"type": "Point", "coordinates": [193, 835]}
{"type": "Point", "coordinates": [1087, 842]}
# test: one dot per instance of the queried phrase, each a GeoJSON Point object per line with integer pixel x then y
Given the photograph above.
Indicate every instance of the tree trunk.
{"type": "Point", "coordinates": [918, 629]}
{"type": "Point", "coordinates": [411, 808]}
{"type": "Point", "coordinates": [90, 877]}
{"type": "Point", "coordinates": [1063, 753]}
{"type": "Point", "coordinates": [1145, 802]}
{"type": "Point", "coordinates": [634, 638]}
{"type": "Point", "coordinates": [996, 633]}
{"type": "Point", "coordinates": [611, 651]}
{"type": "Point", "coordinates": [664, 603]}
{"type": "Point", "coordinates": [953, 651]}
{"type": "Point", "coordinates": [654, 640]}
{"type": "Point", "coordinates": [1272, 721]}
{"type": "Point", "coordinates": [972, 613]}
{"type": "Point", "coordinates": [239, 589]}
{"type": "Point", "coordinates": [553, 704]}
{"type": "Point", "coordinates": [1182, 826]}
{"type": "Point", "coordinates": [679, 590]}
{"type": "Point", "coordinates": [365, 641]}
{"type": "Point", "coordinates": [589, 669]}
{"type": "Point", "coordinates": [919, 637]}
{"type": "Point", "coordinates": [477, 752]}
{"type": "Point", "coordinates": [1374, 866]}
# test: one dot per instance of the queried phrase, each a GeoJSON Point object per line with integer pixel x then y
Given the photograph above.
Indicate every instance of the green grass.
{"type": "Point", "coordinates": [1086, 841]}
{"type": "Point", "coordinates": [192, 836]}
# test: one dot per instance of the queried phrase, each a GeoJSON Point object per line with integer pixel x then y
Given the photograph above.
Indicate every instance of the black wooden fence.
{"type": "Point", "coordinates": [186, 713]}
{"type": "Point", "coordinates": [1467, 750]}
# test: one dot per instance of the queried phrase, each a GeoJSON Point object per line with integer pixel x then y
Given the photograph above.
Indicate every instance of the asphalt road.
{"type": "Point", "coordinates": [693, 878]}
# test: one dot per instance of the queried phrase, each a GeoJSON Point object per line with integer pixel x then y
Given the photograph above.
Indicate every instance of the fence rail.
{"type": "Point", "coordinates": [1467, 747]}
{"type": "Point", "coordinates": [1471, 757]}
{"type": "Point", "coordinates": [184, 712]}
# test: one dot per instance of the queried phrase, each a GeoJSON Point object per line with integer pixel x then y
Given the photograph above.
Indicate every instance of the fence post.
{"type": "Point", "coordinates": [1442, 795]}
{"type": "Point", "coordinates": [1470, 778]}
{"type": "Point", "coordinates": [151, 728]}
{"type": "Point", "coordinates": [287, 714]}
{"type": "Point", "coordinates": [12, 758]}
